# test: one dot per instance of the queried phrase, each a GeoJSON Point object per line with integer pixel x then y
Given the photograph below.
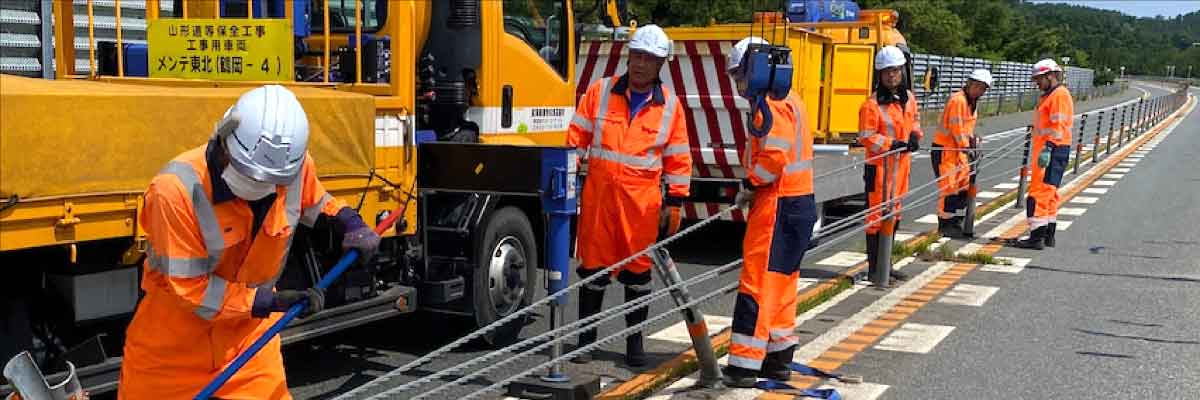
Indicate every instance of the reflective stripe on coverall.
{"type": "Point", "coordinates": [1051, 128]}
{"type": "Point", "coordinates": [629, 156]}
{"type": "Point", "coordinates": [778, 230]}
{"type": "Point", "coordinates": [878, 127]}
{"type": "Point", "coordinates": [202, 270]}
{"type": "Point", "coordinates": [958, 127]}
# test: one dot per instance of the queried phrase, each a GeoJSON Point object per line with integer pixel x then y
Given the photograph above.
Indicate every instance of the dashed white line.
{"type": "Point", "coordinates": [1095, 190]}
{"type": "Point", "coordinates": [988, 195]}
{"type": "Point", "coordinates": [915, 338]}
{"type": "Point", "coordinates": [678, 332]}
{"type": "Point", "coordinates": [1015, 265]}
{"type": "Point", "coordinates": [1072, 211]}
{"type": "Point", "coordinates": [858, 391]}
{"type": "Point", "coordinates": [1104, 183]}
{"type": "Point", "coordinates": [1120, 169]}
{"type": "Point", "coordinates": [1005, 186]}
{"type": "Point", "coordinates": [968, 295]}
{"type": "Point", "coordinates": [1114, 176]}
{"type": "Point", "coordinates": [928, 219]}
{"type": "Point", "coordinates": [1062, 225]}
{"type": "Point", "coordinates": [844, 259]}
{"type": "Point", "coordinates": [1084, 200]}
{"type": "Point", "coordinates": [904, 236]}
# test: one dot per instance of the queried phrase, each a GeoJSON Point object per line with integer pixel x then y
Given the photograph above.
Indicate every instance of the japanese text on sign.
{"type": "Point", "coordinates": [221, 49]}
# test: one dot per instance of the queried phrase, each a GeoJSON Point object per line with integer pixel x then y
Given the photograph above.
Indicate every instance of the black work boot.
{"type": "Point", "coordinates": [1050, 229]}
{"type": "Point", "coordinates": [775, 366]}
{"type": "Point", "coordinates": [635, 354]}
{"type": "Point", "coordinates": [1035, 241]}
{"type": "Point", "coordinates": [872, 254]}
{"type": "Point", "coordinates": [895, 274]}
{"type": "Point", "coordinates": [738, 377]}
{"type": "Point", "coordinates": [590, 302]}
{"type": "Point", "coordinates": [947, 228]}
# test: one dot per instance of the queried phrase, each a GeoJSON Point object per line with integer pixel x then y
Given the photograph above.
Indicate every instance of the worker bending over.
{"type": "Point", "coordinates": [888, 123]}
{"type": "Point", "coordinates": [952, 166]}
{"type": "Point", "coordinates": [779, 191]}
{"type": "Point", "coordinates": [1051, 149]}
{"type": "Point", "coordinates": [633, 131]}
{"type": "Point", "coordinates": [219, 220]}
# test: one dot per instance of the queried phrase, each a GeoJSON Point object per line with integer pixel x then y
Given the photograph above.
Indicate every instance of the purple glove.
{"type": "Point", "coordinates": [358, 235]}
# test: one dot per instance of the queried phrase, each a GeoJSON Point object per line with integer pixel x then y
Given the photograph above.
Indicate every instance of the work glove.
{"type": "Point", "coordinates": [669, 220]}
{"type": "Point", "coordinates": [744, 198]}
{"type": "Point", "coordinates": [1044, 157]}
{"type": "Point", "coordinates": [898, 145]}
{"type": "Point", "coordinates": [358, 235]}
{"type": "Point", "coordinates": [914, 143]}
{"type": "Point", "coordinates": [266, 301]}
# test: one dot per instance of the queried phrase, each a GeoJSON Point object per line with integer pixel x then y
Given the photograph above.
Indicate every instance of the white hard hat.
{"type": "Point", "coordinates": [1044, 66]}
{"type": "Point", "coordinates": [651, 39]}
{"type": "Point", "coordinates": [888, 56]}
{"type": "Point", "coordinates": [981, 75]}
{"type": "Point", "coordinates": [739, 52]}
{"type": "Point", "coordinates": [270, 137]}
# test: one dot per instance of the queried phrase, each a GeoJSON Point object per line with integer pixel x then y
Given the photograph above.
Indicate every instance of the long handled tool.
{"type": "Point", "coordinates": [327, 280]}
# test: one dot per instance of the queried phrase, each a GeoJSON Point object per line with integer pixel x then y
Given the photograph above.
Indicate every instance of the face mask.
{"type": "Point", "coordinates": [246, 188]}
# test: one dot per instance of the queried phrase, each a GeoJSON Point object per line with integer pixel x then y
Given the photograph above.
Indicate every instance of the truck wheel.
{"type": "Point", "coordinates": [505, 274]}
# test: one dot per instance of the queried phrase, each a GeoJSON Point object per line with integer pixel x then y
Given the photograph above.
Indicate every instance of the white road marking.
{"type": "Point", "coordinates": [1104, 183]}
{"type": "Point", "coordinates": [678, 332]}
{"type": "Point", "coordinates": [811, 350]}
{"type": "Point", "coordinates": [1062, 225]}
{"type": "Point", "coordinates": [844, 259]}
{"type": "Point", "coordinates": [1005, 186]}
{"type": "Point", "coordinates": [1122, 169]}
{"type": "Point", "coordinates": [928, 219]}
{"type": "Point", "coordinates": [988, 195]}
{"type": "Point", "coordinates": [969, 248]}
{"type": "Point", "coordinates": [1128, 164]}
{"type": "Point", "coordinates": [968, 295]}
{"type": "Point", "coordinates": [1095, 190]}
{"type": "Point", "coordinates": [915, 338]}
{"type": "Point", "coordinates": [857, 391]}
{"type": "Point", "coordinates": [904, 236]}
{"type": "Point", "coordinates": [1114, 176]}
{"type": "Point", "coordinates": [684, 384]}
{"type": "Point", "coordinates": [1015, 265]}
{"type": "Point", "coordinates": [1084, 200]}
{"type": "Point", "coordinates": [1072, 211]}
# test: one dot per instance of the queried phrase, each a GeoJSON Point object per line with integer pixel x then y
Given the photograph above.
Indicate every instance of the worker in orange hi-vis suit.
{"type": "Point", "coordinates": [888, 123]}
{"type": "Point", "coordinates": [219, 220]}
{"type": "Point", "coordinates": [1050, 152]}
{"type": "Point", "coordinates": [951, 167]}
{"type": "Point", "coordinates": [779, 192]}
{"type": "Point", "coordinates": [634, 134]}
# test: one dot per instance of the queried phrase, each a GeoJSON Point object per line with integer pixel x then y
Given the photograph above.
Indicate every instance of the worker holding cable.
{"type": "Point", "coordinates": [952, 167]}
{"type": "Point", "coordinates": [1050, 151]}
{"type": "Point", "coordinates": [890, 130]}
{"type": "Point", "coordinates": [778, 189]}
{"type": "Point", "coordinates": [633, 131]}
{"type": "Point", "coordinates": [219, 220]}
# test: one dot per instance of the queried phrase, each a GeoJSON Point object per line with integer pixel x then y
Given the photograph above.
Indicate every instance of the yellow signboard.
{"type": "Point", "coordinates": [227, 49]}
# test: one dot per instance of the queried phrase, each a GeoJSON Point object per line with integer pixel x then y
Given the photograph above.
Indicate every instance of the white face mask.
{"type": "Point", "coordinates": [244, 187]}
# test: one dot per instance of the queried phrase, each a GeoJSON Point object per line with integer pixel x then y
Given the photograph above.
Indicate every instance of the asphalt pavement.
{"type": "Point", "coordinates": [328, 366]}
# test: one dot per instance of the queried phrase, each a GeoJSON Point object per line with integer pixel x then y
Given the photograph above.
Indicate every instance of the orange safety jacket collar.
{"type": "Point", "coordinates": [621, 87]}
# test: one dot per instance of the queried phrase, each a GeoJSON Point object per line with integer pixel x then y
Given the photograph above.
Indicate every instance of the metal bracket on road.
{"type": "Point", "coordinates": [710, 374]}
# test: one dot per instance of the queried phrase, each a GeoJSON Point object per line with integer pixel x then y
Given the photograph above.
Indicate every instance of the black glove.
{"type": "Point", "coordinates": [898, 145]}
{"type": "Point", "coordinates": [266, 301]}
{"type": "Point", "coordinates": [914, 144]}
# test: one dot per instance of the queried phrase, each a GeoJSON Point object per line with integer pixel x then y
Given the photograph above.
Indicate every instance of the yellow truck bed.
{"type": "Point", "coordinates": [78, 154]}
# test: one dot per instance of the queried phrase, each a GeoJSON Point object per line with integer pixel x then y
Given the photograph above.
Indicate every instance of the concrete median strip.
{"type": "Point", "coordinates": [872, 330]}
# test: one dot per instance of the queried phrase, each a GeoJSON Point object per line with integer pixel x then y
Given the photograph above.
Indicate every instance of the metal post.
{"type": "Point", "coordinates": [883, 255]}
{"type": "Point", "coordinates": [1124, 130]}
{"type": "Point", "coordinates": [1020, 203]}
{"type": "Point", "coordinates": [968, 223]}
{"type": "Point", "coordinates": [1096, 138]}
{"type": "Point", "coordinates": [1079, 141]}
{"type": "Point", "coordinates": [710, 373]}
{"type": "Point", "coordinates": [1140, 119]}
{"type": "Point", "coordinates": [1112, 123]}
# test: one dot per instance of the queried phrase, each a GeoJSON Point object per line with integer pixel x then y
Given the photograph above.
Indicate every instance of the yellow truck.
{"type": "Point", "coordinates": [481, 86]}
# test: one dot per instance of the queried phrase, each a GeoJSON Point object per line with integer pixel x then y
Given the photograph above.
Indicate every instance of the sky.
{"type": "Point", "coordinates": [1140, 8]}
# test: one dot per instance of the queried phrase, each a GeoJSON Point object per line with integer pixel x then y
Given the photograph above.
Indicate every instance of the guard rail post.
{"type": "Point", "coordinates": [1112, 123]}
{"type": "Point", "coordinates": [1079, 141]}
{"type": "Point", "coordinates": [883, 253]}
{"type": "Point", "coordinates": [1020, 202]}
{"type": "Point", "coordinates": [1126, 112]}
{"type": "Point", "coordinates": [1096, 138]}
{"type": "Point", "coordinates": [1000, 104]}
{"type": "Point", "coordinates": [710, 373]}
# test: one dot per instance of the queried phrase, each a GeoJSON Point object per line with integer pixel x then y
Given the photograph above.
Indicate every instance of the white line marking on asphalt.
{"type": "Point", "coordinates": [844, 259]}
{"type": "Point", "coordinates": [1005, 186]}
{"type": "Point", "coordinates": [833, 301]}
{"type": "Point", "coordinates": [857, 391]}
{"type": "Point", "coordinates": [684, 384]}
{"type": "Point", "coordinates": [904, 236]}
{"type": "Point", "coordinates": [1114, 176]}
{"type": "Point", "coordinates": [928, 219]}
{"type": "Point", "coordinates": [1095, 190]}
{"type": "Point", "coordinates": [678, 333]}
{"type": "Point", "coordinates": [1084, 200]}
{"type": "Point", "coordinates": [1072, 211]}
{"type": "Point", "coordinates": [1121, 169]}
{"type": "Point", "coordinates": [1015, 265]}
{"type": "Point", "coordinates": [1062, 225]}
{"type": "Point", "coordinates": [1128, 164]}
{"type": "Point", "coordinates": [915, 338]}
{"type": "Point", "coordinates": [988, 195]}
{"type": "Point", "coordinates": [1104, 183]}
{"type": "Point", "coordinates": [968, 295]}
{"type": "Point", "coordinates": [811, 350]}
{"type": "Point", "coordinates": [969, 248]}
{"type": "Point", "coordinates": [1015, 178]}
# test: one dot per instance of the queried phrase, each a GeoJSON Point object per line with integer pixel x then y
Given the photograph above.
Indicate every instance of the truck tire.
{"type": "Point", "coordinates": [506, 273]}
